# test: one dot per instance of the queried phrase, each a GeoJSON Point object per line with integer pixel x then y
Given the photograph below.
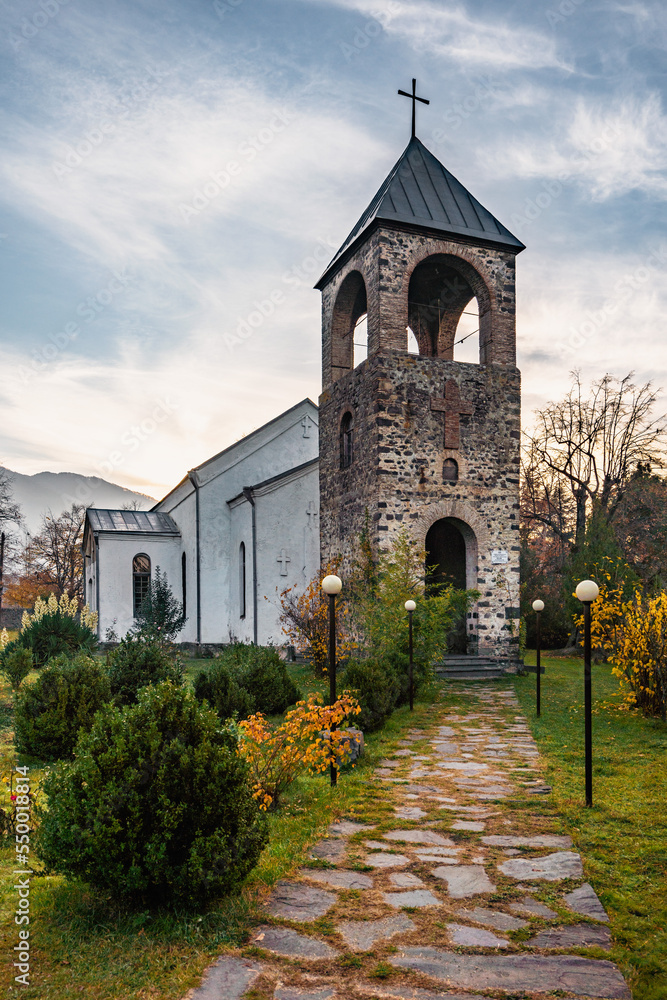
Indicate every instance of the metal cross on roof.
{"type": "Point", "coordinates": [413, 97]}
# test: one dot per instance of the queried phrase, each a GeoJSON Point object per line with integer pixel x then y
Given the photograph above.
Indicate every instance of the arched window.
{"type": "Point", "coordinates": [346, 432]}
{"type": "Point", "coordinates": [242, 580]}
{"type": "Point", "coordinates": [348, 325]}
{"type": "Point", "coordinates": [450, 470]}
{"type": "Point", "coordinates": [445, 311]}
{"type": "Point", "coordinates": [184, 582]}
{"type": "Point", "coordinates": [141, 580]}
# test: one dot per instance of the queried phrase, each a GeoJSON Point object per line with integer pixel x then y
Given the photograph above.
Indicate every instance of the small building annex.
{"type": "Point", "coordinates": [234, 533]}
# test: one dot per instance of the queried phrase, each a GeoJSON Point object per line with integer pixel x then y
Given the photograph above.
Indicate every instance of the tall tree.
{"type": "Point", "coordinates": [9, 509]}
{"type": "Point", "coordinates": [584, 452]}
{"type": "Point", "coordinates": [58, 548]}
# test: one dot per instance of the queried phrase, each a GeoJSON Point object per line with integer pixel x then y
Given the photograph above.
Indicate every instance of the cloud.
{"type": "Point", "coordinates": [608, 146]}
{"type": "Point", "coordinates": [450, 32]}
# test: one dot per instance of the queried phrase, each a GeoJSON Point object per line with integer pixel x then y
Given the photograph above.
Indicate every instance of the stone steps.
{"type": "Point", "coordinates": [469, 668]}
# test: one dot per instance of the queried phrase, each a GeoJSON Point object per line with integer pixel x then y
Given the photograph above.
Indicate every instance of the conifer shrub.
{"type": "Point", "coordinates": [264, 676]}
{"type": "Point", "coordinates": [16, 665]}
{"type": "Point", "coordinates": [52, 634]}
{"type": "Point", "coordinates": [135, 663]}
{"type": "Point", "coordinates": [220, 689]}
{"type": "Point", "coordinates": [62, 701]}
{"type": "Point", "coordinates": [247, 679]}
{"type": "Point", "coordinates": [377, 688]}
{"type": "Point", "coordinates": [156, 809]}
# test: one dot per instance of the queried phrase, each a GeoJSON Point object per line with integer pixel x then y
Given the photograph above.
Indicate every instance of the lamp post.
{"type": "Point", "coordinates": [410, 607]}
{"type": "Point", "coordinates": [538, 608]}
{"type": "Point", "coordinates": [587, 591]}
{"type": "Point", "coordinates": [332, 585]}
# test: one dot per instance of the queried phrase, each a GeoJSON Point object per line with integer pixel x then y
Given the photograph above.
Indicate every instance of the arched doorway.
{"type": "Point", "coordinates": [451, 560]}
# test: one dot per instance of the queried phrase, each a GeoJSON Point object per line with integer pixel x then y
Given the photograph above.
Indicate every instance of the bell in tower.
{"type": "Point", "coordinates": [411, 435]}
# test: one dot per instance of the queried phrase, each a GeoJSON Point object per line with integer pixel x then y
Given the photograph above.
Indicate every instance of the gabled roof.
{"type": "Point", "coordinates": [420, 192]}
{"type": "Point", "coordinates": [133, 521]}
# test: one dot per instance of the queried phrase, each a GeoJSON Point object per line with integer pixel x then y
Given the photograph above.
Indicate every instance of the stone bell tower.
{"type": "Point", "coordinates": [421, 440]}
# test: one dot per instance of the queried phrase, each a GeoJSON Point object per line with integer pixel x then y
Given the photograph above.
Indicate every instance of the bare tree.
{"type": "Point", "coordinates": [58, 547]}
{"type": "Point", "coordinates": [9, 509]}
{"type": "Point", "coordinates": [585, 450]}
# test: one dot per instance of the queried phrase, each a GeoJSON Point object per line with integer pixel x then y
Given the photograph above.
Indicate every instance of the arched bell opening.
{"type": "Point", "coordinates": [448, 306]}
{"type": "Point", "coordinates": [451, 560]}
{"type": "Point", "coordinates": [346, 323]}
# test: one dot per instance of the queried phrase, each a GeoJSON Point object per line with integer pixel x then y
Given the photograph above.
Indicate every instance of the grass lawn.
{"type": "Point", "coordinates": [81, 945]}
{"type": "Point", "coordinates": [623, 838]}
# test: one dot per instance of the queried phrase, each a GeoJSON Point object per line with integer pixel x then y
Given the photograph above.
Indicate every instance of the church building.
{"type": "Point", "coordinates": [409, 437]}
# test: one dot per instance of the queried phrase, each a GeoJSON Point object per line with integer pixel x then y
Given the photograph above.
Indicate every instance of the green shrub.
{"type": "Point", "coordinates": [219, 687]}
{"type": "Point", "coordinates": [259, 673]}
{"type": "Point", "coordinates": [63, 700]}
{"type": "Point", "coordinates": [55, 633]}
{"type": "Point", "coordinates": [377, 688]}
{"type": "Point", "coordinates": [135, 663]}
{"type": "Point", "coordinates": [16, 665]}
{"type": "Point", "coordinates": [156, 808]}
{"type": "Point", "coordinates": [266, 680]}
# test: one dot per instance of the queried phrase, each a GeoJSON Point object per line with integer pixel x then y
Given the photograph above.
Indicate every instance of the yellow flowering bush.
{"type": "Point", "coordinates": [632, 630]}
{"type": "Point", "coordinates": [66, 606]}
{"type": "Point", "coordinates": [4, 638]}
{"type": "Point", "coordinates": [307, 740]}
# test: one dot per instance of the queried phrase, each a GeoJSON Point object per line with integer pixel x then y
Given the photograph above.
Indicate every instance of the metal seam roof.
{"type": "Point", "coordinates": [132, 521]}
{"type": "Point", "coordinates": [420, 191]}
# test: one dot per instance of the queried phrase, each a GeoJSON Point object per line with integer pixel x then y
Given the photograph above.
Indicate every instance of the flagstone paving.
{"type": "Point", "coordinates": [452, 890]}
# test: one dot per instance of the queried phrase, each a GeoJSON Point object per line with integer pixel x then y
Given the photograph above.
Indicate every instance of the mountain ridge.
{"type": "Point", "coordinates": [46, 491]}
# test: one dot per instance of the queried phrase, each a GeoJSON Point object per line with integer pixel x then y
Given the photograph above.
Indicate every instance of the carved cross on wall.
{"type": "Point", "coordinates": [283, 559]}
{"type": "Point", "coordinates": [453, 407]}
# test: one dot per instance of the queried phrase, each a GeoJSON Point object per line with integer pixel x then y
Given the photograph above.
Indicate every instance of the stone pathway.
{"type": "Point", "coordinates": [464, 892]}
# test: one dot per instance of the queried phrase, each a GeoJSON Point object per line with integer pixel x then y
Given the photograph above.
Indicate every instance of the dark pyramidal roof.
{"type": "Point", "coordinates": [420, 192]}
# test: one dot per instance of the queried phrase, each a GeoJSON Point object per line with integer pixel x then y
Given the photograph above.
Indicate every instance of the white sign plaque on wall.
{"type": "Point", "coordinates": [499, 556]}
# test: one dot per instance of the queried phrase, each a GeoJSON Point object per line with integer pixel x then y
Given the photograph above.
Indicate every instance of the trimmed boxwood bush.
{"type": "Point", "coordinates": [16, 665]}
{"type": "Point", "coordinates": [156, 808]}
{"type": "Point", "coordinates": [376, 686]}
{"type": "Point", "coordinates": [52, 634]}
{"type": "Point", "coordinates": [247, 679]}
{"type": "Point", "coordinates": [219, 687]}
{"type": "Point", "coordinates": [136, 663]}
{"type": "Point", "coordinates": [63, 700]}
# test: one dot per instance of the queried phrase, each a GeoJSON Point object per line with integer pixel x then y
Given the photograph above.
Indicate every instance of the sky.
{"type": "Point", "coordinates": [175, 175]}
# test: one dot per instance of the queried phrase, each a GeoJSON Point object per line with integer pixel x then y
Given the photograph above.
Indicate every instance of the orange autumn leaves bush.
{"type": "Point", "coordinates": [308, 740]}
{"type": "Point", "coordinates": [305, 620]}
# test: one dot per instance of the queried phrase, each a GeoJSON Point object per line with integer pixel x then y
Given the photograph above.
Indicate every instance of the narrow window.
{"type": "Point", "coordinates": [346, 441]}
{"type": "Point", "coordinates": [184, 583]}
{"type": "Point", "coordinates": [450, 471]}
{"type": "Point", "coordinates": [242, 580]}
{"type": "Point", "coordinates": [141, 580]}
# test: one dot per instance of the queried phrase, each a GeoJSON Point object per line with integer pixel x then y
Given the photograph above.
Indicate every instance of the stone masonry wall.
{"type": "Point", "coordinates": [397, 472]}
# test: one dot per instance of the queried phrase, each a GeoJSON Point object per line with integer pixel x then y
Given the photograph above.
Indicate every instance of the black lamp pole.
{"type": "Point", "coordinates": [332, 670]}
{"type": "Point", "coordinates": [588, 723]}
{"type": "Point", "coordinates": [410, 607]}
{"type": "Point", "coordinates": [538, 691]}
{"type": "Point", "coordinates": [331, 585]}
{"type": "Point", "coordinates": [587, 591]}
